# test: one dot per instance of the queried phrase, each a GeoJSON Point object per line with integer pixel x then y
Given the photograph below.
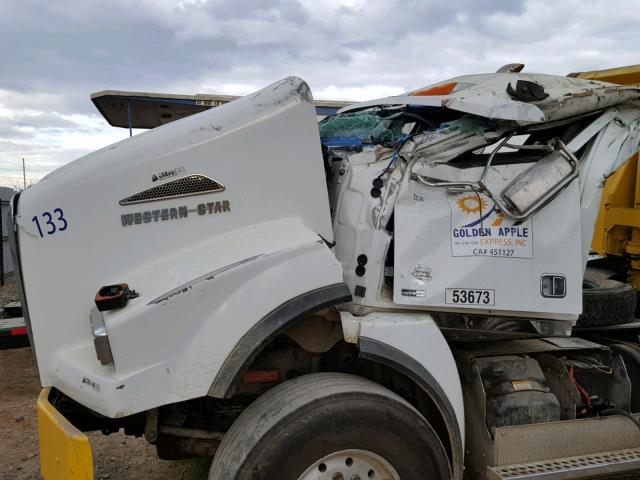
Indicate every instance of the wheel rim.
{"type": "Point", "coordinates": [350, 465]}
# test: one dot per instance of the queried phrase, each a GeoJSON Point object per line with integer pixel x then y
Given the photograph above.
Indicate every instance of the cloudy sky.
{"type": "Point", "coordinates": [55, 53]}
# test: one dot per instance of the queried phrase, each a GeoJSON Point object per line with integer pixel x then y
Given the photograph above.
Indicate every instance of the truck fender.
{"type": "Point", "coordinates": [412, 344]}
{"type": "Point", "coordinates": [268, 328]}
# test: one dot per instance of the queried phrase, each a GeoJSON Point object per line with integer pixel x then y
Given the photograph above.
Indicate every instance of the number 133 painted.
{"type": "Point", "coordinates": [51, 222]}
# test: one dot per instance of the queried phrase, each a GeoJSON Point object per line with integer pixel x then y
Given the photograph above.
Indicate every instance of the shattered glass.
{"type": "Point", "coordinates": [361, 127]}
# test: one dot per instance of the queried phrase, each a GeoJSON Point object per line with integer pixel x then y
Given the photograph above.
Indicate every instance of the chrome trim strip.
{"type": "Point", "coordinates": [100, 337]}
{"type": "Point", "coordinates": [207, 276]}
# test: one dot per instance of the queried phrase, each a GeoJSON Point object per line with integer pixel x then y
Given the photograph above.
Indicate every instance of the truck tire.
{"type": "Point", "coordinates": [330, 426]}
{"type": "Point", "coordinates": [605, 301]}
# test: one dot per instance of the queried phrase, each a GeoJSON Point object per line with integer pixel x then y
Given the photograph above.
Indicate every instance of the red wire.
{"type": "Point", "coordinates": [581, 389]}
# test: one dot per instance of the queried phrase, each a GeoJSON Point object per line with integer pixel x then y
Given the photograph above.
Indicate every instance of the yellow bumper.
{"type": "Point", "coordinates": [65, 452]}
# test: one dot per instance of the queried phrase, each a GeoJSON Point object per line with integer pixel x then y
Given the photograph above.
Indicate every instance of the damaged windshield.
{"type": "Point", "coordinates": [368, 127]}
{"type": "Point", "coordinates": [381, 126]}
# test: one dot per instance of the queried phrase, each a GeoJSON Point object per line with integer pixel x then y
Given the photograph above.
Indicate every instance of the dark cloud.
{"type": "Point", "coordinates": [74, 47]}
{"type": "Point", "coordinates": [55, 53]}
{"type": "Point", "coordinates": [73, 57]}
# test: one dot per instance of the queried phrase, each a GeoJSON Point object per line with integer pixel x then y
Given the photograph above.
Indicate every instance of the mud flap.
{"type": "Point", "coordinates": [65, 452]}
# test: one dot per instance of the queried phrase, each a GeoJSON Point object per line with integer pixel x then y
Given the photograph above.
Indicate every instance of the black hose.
{"type": "Point", "coordinates": [629, 350]}
{"type": "Point", "coordinates": [634, 354]}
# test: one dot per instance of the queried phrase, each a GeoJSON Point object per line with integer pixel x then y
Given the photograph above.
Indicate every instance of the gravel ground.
{"type": "Point", "coordinates": [115, 457]}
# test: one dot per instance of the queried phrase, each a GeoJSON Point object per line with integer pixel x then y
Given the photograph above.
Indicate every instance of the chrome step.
{"type": "Point", "coordinates": [584, 466]}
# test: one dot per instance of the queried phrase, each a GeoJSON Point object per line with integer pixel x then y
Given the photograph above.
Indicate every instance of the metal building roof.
{"type": "Point", "coordinates": [150, 110]}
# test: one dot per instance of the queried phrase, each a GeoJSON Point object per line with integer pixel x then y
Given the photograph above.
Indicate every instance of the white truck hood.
{"type": "Point", "coordinates": [135, 212]}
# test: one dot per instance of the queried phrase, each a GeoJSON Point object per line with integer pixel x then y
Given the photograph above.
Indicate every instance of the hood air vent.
{"type": "Point", "coordinates": [182, 187]}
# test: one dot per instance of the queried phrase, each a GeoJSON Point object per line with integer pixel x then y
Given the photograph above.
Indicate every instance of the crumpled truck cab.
{"type": "Point", "coordinates": [397, 276]}
{"type": "Point", "coordinates": [461, 196]}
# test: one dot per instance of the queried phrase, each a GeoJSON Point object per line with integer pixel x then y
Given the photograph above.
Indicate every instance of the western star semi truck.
{"type": "Point", "coordinates": [404, 291]}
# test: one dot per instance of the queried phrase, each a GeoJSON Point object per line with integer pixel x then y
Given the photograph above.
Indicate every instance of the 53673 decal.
{"type": "Point", "coordinates": [469, 296]}
{"type": "Point", "coordinates": [49, 223]}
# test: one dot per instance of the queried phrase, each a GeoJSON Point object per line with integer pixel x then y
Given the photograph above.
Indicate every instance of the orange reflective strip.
{"type": "Point", "coordinates": [445, 89]}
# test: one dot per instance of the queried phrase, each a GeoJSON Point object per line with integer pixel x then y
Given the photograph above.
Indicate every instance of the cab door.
{"type": "Point", "coordinates": [458, 251]}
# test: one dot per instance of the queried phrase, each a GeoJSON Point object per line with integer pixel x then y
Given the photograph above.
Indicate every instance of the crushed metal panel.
{"type": "Point", "coordinates": [486, 95]}
{"type": "Point", "coordinates": [484, 106]}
